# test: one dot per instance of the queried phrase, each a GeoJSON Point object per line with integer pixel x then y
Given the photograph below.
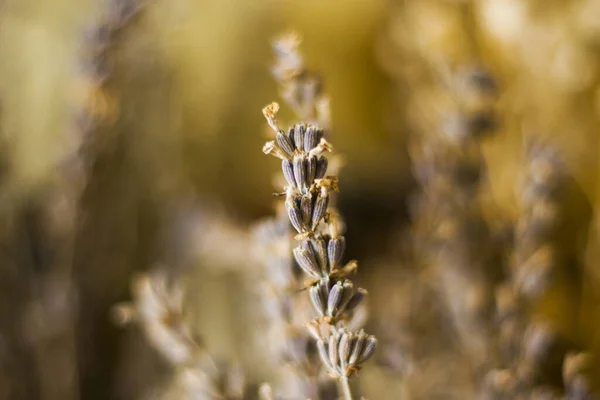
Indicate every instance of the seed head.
{"type": "Point", "coordinates": [346, 352]}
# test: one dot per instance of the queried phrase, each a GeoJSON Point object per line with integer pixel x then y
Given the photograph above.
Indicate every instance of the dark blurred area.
{"type": "Point", "coordinates": [133, 259]}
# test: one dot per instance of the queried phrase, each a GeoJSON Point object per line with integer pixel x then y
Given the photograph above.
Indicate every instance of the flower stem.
{"type": "Point", "coordinates": [345, 388]}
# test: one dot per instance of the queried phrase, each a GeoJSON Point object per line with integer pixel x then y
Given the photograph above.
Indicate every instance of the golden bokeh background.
{"type": "Point", "coordinates": [177, 149]}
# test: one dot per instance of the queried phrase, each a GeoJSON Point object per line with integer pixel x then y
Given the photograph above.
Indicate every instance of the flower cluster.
{"type": "Point", "coordinates": [533, 350]}
{"type": "Point", "coordinates": [344, 352]}
{"type": "Point", "coordinates": [158, 308]}
{"type": "Point", "coordinates": [320, 251]}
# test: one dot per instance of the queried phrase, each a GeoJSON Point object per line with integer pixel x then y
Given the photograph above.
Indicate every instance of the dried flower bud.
{"type": "Point", "coordinates": [288, 172]}
{"type": "Point", "coordinates": [347, 295]}
{"type": "Point", "coordinates": [320, 133]}
{"type": "Point", "coordinates": [294, 214]}
{"type": "Point", "coordinates": [324, 354]}
{"type": "Point", "coordinates": [300, 171]}
{"type": "Point", "coordinates": [359, 345]}
{"type": "Point", "coordinates": [285, 143]}
{"type": "Point", "coordinates": [299, 130]}
{"type": "Point", "coordinates": [335, 299]}
{"type": "Point", "coordinates": [345, 349]}
{"type": "Point", "coordinates": [310, 138]}
{"type": "Point", "coordinates": [356, 299]}
{"type": "Point", "coordinates": [320, 248]}
{"type": "Point", "coordinates": [369, 349]}
{"type": "Point", "coordinates": [290, 135]}
{"type": "Point", "coordinates": [335, 251]}
{"type": "Point", "coordinates": [306, 206]}
{"type": "Point", "coordinates": [311, 169]}
{"type": "Point", "coordinates": [317, 299]}
{"type": "Point", "coordinates": [334, 341]}
{"type": "Point", "coordinates": [306, 260]}
{"type": "Point", "coordinates": [320, 210]}
{"type": "Point", "coordinates": [322, 163]}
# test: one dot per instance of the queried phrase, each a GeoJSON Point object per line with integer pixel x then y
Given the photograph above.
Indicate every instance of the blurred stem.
{"type": "Point", "coordinates": [345, 388]}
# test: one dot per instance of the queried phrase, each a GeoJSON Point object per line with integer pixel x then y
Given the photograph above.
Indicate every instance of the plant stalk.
{"type": "Point", "coordinates": [345, 388]}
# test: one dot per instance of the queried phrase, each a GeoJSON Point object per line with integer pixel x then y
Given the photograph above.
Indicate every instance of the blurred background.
{"type": "Point", "coordinates": [130, 137]}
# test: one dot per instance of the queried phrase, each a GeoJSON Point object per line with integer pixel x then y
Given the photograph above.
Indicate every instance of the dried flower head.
{"type": "Point", "coordinates": [345, 352]}
{"type": "Point", "coordinates": [320, 252]}
{"type": "Point", "coordinates": [158, 307]}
